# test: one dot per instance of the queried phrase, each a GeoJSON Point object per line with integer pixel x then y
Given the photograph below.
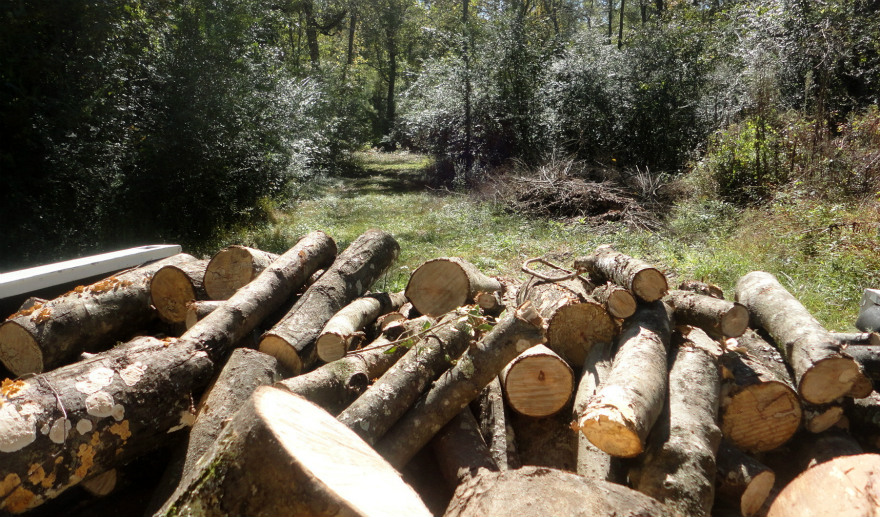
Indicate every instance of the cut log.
{"type": "Point", "coordinates": [857, 338]}
{"type": "Point", "coordinates": [460, 449]}
{"type": "Point", "coordinates": [574, 321]}
{"type": "Point", "coordinates": [618, 418]}
{"type": "Point", "coordinates": [702, 288]}
{"type": "Point", "coordinates": [863, 385]}
{"type": "Point", "coordinates": [334, 386]}
{"type": "Point", "coordinates": [344, 330]}
{"type": "Point", "coordinates": [868, 357]}
{"type": "Point", "coordinates": [864, 419]}
{"type": "Point", "coordinates": [814, 449]}
{"type": "Point", "coordinates": [198, 309]}
{"type": "Point", "coordinates": [645, 281]}
{"type": "Point", "coordinates": [593, 462]}
{"type": "Point", "coordinates": [507, 493]}
{"type": "Point", "coordinates": [822, 373]}
{"type": "Point", "coordinates": [292, 340]}
{"type": "Point", "coordinates": [678, 467]}
{"type": "Point", "coordinates": [495, 426]}
{"type": "Point", "coordinates": [233, 268]}
{"type": "Point", "coordinates": [619, 302]}
{"type": "Point", "coordinates": [242, 374]}
{"type": "Point", "coordinates": [516, 332]}
{"type": "Point", "coordinates": [546, 442]}
{"type": "Point", "coordinates": [820, 417]}
{"type": "Point", "coordinates": [741, 480]}
{"type": "Point", "coordinates": [850, 488]}
{"type": "Point", "coordinates": [537, 383]}
{"type": "Point", "coordinates": [282, 455]}
{"type": "Point", "coordinates": [101, 413]}
{"type": "Point", "coordinates": [441, 285]}
{"type": "Point", "coordinates": [715, 316]}
{"type": "Point", "coordinates": [101, 485]}
{"type": "Point", "coordinates": [760, 409]}
{"type": "Point", "coordinates": [376, 411]}
{"type": "Point", "coordinates": [87, 319]}
{"type": "Point", "coordinates": [174, 286]}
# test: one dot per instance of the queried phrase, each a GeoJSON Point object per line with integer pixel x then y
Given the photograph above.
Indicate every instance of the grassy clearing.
{"type": "Point", "coordinates": [826, 254]}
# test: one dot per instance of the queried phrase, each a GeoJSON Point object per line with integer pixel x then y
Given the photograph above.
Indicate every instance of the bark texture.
{"type": "Point", "coordinates": [461, 384]}
{"type": "Point", "coordinates": [87, 319]}
{"type": "Point", "coordinates": [376, 411]}
{"type": "Point", "coordinates": [460, 449]}
{"type": "Point", "coordinates": [645, 281]}
{"type": "Point", "coordinates": [822, 372]}
{"type": "Point", "coordinates": [292, 340]}
{"type": "Point", "coordinates": [537, 383]}
{"type": "Point", "coordinates": [741, 480]}
{"type": "Point", "coordinates": [619, 302]}
{"type": "Point", "coordinates": [174, 286]}
{"type": "Point", "coordinates": [702, 288]}
{"type": "Point", "coordinates": [233, 268]}
{"type": "Point", "coordinates": [760, 407]}
{"type": "Point", "coordinates": [573, 320]}
{"type": "Point", "coordinates": [857, 338]}
{"type": "Point", "coordinates": [281, 455]}
{"type": "Point", "coordinates": [441, 285]}
{"type": "Point", "coordinates": [820, 417]}
{"type": "Point", "coordinates": [678, 468]}
{"type": "Point", "coordinates": [717, 317]}
{"type": "Point", "coordinates": [197, 309]}
{"type": "Point", "coordinates": [548, 441]}
{"type": "Point", "coordinates": [495, 426]}
{"type": "Point", "coordinates": [501, 494]}
{"type": "Point", "coordinates": [618, 418]}
{"type": "Point", "coordinates": [850, 487]}
{"type": "Point", "coordinates": [344, 331]}
{"type": "Point", "coordinates": [868, 357]}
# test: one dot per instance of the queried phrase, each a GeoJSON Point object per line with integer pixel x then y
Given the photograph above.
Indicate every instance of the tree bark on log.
{"type": "Point", "coordinates": [702, 288]}
{"type": "Point", "coordinates": [495, 426]}
{"type": "Point", "coordinates": [618, 418]}
{"type": "Point", "coordinates": [196, 310]}
{"type": "Point", "coordinates": [645, 281]}
{"type": "Point", "coordinates": [500, 494]}
{"type": "Point", "coordinates": [821, 417]}
{"type": "Point", "coordinates": [460, 449]}
{"type": "Point", "coordinates": [334, 386]}
{"type": "Point", "coordinates": [441, 285]}
{"type": "Point", "coordinates": [678, 468]}
{"type": "Point", "coordinates": [811, 449]}
{"type": "Point", "coordinates": [760, 409]}
{"type": "Point", "coordinates": [537, 383]}
{"type": "Point", "coordinates": [174, 286]}
{"type": "Point", "coordinates": [619, 302]}
{"type": "Point", "coordinates": [292, 340]}
{"type": "Point", "coordinates": [850, 488]}
{"type": "Point", "coordinates": [461, 384]}
{"type": "Point", "coordinates": [574, 321]}
{"type": "Point", "coordinates": [716, 317]}
{"type": "Point", "coordinates": [390, 397]}
{"type": "Point", "coordinates": [546, 442]}
{"type": "Point", "coordinates": [864, 419]}
{"type": "Point", "coordinates": [343, 331]}
{"type": "Point", "coordinates": [822, 372]}
{"type": "Point", "coordinates": [741, 480]}
{"type": "Point", "coordinates": [87, 319]}
{"type": "Point", "coordinates": [282, 455]}
{"type": "Point", "coordinates": [593, 462]}
{"type": "Point", "coordinates": [147, 386]}
{"type": "Point", "coordinates": [243, 373]}
{"type": "Point", "coordinates": [868, 357]}
{"type": "Point", "coordinates": [854, 339]}
{"type": "Point", "coordinates": [233, 268]}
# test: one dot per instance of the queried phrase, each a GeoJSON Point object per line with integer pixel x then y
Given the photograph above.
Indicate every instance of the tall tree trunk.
{"type": "Point", "coordinates": [466, 61]}
{"type": "Point", "coordinates": [349, 53]}
{"type": "Point", "coordinates": [610, 20]}
{"type": "Point", "coordinates": [312, 32]}
{"type": "Point", "coordinates": [390, 106]}
{"type": "Point", "coordinates": [620, 25]}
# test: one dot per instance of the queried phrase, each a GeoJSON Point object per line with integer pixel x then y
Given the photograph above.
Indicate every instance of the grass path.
{"type": "Point", "coordinates": [826, 270]}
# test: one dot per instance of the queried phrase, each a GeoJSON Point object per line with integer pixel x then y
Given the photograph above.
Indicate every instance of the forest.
{"type": "Point", "coordinates": [128, 121]}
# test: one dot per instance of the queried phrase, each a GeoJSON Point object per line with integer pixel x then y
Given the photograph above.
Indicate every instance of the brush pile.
{"type": "Point", "coordinates": [258, 384]}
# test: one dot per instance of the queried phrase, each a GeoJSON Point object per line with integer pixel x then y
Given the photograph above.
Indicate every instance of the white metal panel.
{"type": "Point", "coordinates": [48, 275]}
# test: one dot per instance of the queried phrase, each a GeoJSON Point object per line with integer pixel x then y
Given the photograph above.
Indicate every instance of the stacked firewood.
{"type": "Point", "coordinates": [258, 384]}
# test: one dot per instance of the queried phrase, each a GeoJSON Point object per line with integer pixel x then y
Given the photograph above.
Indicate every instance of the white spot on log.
{"type": "Point", "coordinates": [523, 344]}
{"type": "Point", "coordinates": [59, 430]}
{"type": "Point", "coordinates": [99, 404]}
{"type": "Point", "coordinates": [186, 420]}
{"type": "Point", "coordinates": [98, 379]}
{"type": "Point", "coordinates": [16, 431]}
{"type": "Point", "coordinates": [45, 428]}
{"type": "Point", "coordinates": [30, 408]}
{"type": "Point", "coordinates": [84, 426]}
{"type": "Point", "coordinates": [132, 373]}
{"type": "Point", "coordinates": [365, 425]}
{"type": "Point", "coordinates": [117, 412]}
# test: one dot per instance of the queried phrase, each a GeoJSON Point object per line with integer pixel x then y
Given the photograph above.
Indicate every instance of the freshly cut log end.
{"type": "Point", "coordinates": [102, 484]}
{"type": "Point", "coordinates": [608, 430]}
{"type": "Point", "coordinates": [650, 285]}
{"type": "Point", "coordinates": [19, 351]}
{"type": "Point", "coordinates": [174, 286]}
{"type": "Point", "coordinates": [644, 280]}
{"type": "Point", "coordinates": [576, 327]}
{"type": "Point", "coordinates": [282, 455]}
{"type": "Point", "coordinates": [830, 375]}
{"type": "Point", "coordinates": [715, 316]}
{"type": "Point", "coordinates": [619, 302]}
{"type": "Point", "coordinates": [735, 321]}
{"type": "Point", "coordinates": [821, 418]}
{"type": "Point", "coordinates": [442, 284]}
{"type": "Point", "coordinates": [332, 346]}
{"type": "Point", "coordinates": [850, 487]}
{"type": "Point", "coordinates": [281, 350]}
{"type": "Point", "coordinates": [742, 480]}
{"type": "Point", "coordinates": [761, 417]}
{"type": "Point", "coordinates": [757, 492]}
{"type": "Point", "coordinates": [232, 268]}
{"type": "Point", "coordinates": [538, 383]}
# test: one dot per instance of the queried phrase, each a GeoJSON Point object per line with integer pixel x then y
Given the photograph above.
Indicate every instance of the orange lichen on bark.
{"type": "Point", "coordinates": [19, 500]}
{"type": "Point", "coordinates": [9, 387]}
{"type": "Point", "coordinates": [121, 429]}
{"type": "Point", "coordinates": [86, 456]}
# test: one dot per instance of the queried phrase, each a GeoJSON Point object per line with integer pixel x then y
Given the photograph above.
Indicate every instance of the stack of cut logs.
{"type": "Point", "coordinates": [257, 384]}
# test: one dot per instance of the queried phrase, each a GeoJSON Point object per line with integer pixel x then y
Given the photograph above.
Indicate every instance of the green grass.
{"type": "Point", "coordinates": [827, 269]}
